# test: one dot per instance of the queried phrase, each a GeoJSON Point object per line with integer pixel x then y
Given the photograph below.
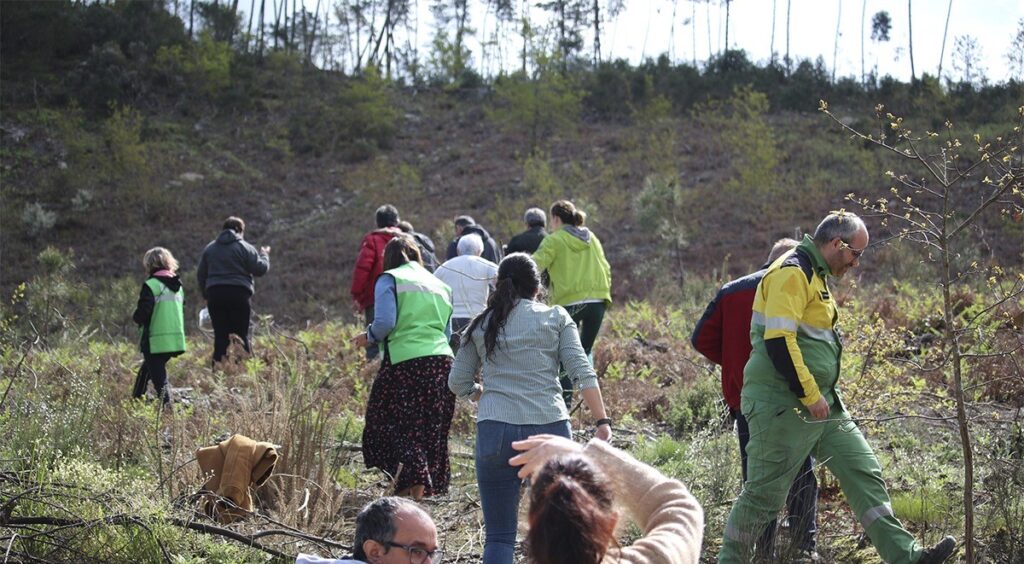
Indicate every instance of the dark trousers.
{"type": "Point", "coordinates": [459, 325]}
{"type": "Point", "coordinates": [588, 318]}
{"type": "Point", "coordinates": [230, 309]}
{"type": "Point", "coordinates": [153, 369]}
{"type": "Point", "coordinates": [801, 503]}
{"type": "Point", "coordinates": [372, 349]}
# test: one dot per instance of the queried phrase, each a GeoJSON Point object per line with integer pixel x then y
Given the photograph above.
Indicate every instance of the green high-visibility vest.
{"type": "Point", "coordinates": [167, 325]}
{"type": "Point", "coordinates": [424, 308]}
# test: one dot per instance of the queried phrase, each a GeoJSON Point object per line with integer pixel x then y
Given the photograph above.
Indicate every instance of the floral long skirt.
{"type": "Point", "coordinates": [407, 421]}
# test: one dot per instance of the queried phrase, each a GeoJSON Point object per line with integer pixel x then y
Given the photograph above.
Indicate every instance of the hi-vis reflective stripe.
{"type": "Point", "coordinates": [734, 534]}
{"type": "Point", "coordinates": [169, 298]}
{"type": "Point", "coordinates": [875, 513]}
{"type": "Point", "coordinates": [414, 287]}
{"type": "Point", "coordinates": [818, 333]}
{"type": "Point", "coordinates": [783, 323]}
{"type": "Point", "coordinates": [780, 323]}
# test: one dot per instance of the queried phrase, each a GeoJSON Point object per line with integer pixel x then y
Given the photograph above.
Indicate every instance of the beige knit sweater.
{"type": "Point", "coordinates": [671, 518]}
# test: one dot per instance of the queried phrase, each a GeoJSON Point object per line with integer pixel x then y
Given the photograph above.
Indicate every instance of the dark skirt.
{"type": "Point", "coordinates": [407, 421]}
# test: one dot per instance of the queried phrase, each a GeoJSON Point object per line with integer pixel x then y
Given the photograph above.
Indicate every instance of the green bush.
{"type": "Point", "coordinates": [697, 406]}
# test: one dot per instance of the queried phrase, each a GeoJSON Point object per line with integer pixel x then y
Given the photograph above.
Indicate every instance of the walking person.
{"type": "Point", "coordinates": [410, 408]}
{"type": "Point", "coordinates": [225, 273]}
{"type": "Point", "coordinates": [792, 404]}
{"type": "Point", "coordinates": [471, 279]}
{"type": "Point", "coordinates": [426, 245]}
{"type": "Point", "coordinates": [370, 263]}
{"type": "Point", "coordinates": [161, 320]}
{"type": "Point", "coordinates": [519, 343]}
{"type": "Point", "coordinates": [581, 279]}
{"type": "Point", "coordinates": [464, 225]}
{"type": "Point", "coordinates": [528, 241]}
{"type": "Point", "coordinates": [723, 336]}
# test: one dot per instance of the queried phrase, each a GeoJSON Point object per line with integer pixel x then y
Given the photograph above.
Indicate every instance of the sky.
{"type": "Point", "coordinates": [647, 28]}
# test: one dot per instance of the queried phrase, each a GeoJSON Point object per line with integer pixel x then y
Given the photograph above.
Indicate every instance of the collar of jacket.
{"type": "Point", "coordinates": [820, 266]}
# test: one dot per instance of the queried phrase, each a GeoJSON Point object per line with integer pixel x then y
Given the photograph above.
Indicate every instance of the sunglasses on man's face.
{"type": "Point", "coordinates": [855, 252]}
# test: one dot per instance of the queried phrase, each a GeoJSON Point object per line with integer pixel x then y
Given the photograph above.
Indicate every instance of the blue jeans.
{"type": "Point", "coordinates": [499, 484]}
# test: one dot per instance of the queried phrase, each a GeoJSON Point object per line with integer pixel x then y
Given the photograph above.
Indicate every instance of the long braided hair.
{"type": "Point", "coordinates": [517, 279]}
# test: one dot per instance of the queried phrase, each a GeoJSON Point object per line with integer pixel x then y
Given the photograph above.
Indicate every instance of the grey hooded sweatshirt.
{"type": "Point", "coordinates": [229, 260]}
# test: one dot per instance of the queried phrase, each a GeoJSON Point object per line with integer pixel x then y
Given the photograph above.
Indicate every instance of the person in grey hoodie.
{"type": "Point", "coordinates": [225, 274]}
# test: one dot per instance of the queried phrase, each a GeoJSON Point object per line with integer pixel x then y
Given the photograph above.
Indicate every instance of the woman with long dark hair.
{"type": "Point", "coordinates": [410, 408]}
{"type": "Point", "coordinates": [580, 277]}
{"type": "Point", "coordinates": [571, 515]}
{"type": "Point", "coordinates": [519, 343]}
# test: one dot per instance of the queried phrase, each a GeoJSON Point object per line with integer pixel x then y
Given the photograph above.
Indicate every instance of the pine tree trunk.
{"type": "Point", "coordinates": [910, 39]}
{"type": "Point", "coordinates": [693, 26]}
{"type": "Point", "coordinates": [727, 5]}
{"type": "Point", "coordinates": [835, 49]}
{"type": "Point", "coordinates": [789, 8]}
{"type": "Point", "coordinates": [863, 21]}
{"type": "Point", "coordinates": [771, 51]}
{"type": "Point", "coordinates": [942, 53]}
{"type": "Point", "coordinates": [597, 31]}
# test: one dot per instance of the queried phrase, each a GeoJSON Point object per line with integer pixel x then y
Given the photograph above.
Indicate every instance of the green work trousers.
{"type": "Point", "coordinates": [781, 438]}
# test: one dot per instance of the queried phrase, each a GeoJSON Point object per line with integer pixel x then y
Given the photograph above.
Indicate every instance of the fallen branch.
{"type": "Point", "coordinates": [64, 523]}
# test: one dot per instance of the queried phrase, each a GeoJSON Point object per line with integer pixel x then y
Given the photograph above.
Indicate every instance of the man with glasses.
{"type": "Point", "coordinates": [723, 336]}
{"type": "Point", "coordinates": [793, 407]}
{"type": "Point", "coordinates": [390, 530]}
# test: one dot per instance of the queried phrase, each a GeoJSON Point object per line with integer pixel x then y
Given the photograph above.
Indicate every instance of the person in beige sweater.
{"type": "Point", "coordinates": [571, 516]}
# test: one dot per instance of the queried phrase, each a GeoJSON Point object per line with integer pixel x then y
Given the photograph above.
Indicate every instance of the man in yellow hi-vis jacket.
{"type": "Point", "coordinates": [793, 407]}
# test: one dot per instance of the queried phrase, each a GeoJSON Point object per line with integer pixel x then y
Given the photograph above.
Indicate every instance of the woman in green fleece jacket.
{"type": "Point", "coordinates": [581, 280]}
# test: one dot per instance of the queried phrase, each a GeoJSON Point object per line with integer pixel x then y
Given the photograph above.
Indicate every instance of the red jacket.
{"type": "Point", "coordinates": [370, 264]}
{"type": "Point", "coordinates": [723, 333]}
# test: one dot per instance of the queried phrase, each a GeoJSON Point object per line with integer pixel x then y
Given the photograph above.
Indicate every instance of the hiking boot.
{"type": "Point", "coordinates": [938, 553]}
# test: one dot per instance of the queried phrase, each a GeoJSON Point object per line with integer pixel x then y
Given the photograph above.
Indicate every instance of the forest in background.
{"type": "Point", "coordinates": [124, 110]}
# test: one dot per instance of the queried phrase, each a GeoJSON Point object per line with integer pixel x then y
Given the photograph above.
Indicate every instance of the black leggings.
{"type": "Point", "coordinates": [153, 369]}
{"type": "Point", "coordinates": [588, 318]}
{"type": "Point", "coordinates": [229, 311]}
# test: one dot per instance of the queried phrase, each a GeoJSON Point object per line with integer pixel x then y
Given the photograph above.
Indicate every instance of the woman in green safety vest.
{"type": "Point", "coordinates": [161, 319]}
{"type": "Point", "coordinates": [410, 407]}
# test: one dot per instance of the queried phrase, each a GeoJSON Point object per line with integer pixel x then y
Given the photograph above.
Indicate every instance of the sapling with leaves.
{"type": "Point", "coordinates": [953, 190]}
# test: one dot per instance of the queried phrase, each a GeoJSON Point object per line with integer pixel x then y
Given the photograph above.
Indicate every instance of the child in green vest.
{"type": "Point", "coordinates": [161, 319]}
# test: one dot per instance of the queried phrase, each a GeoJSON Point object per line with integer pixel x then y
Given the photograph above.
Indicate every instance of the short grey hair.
{"type": "Point", "coordinates": [841, 225]}
{"type": "Point", "coordinates": [535, 217]}
{"type": "Point", "coordinates": [376, 521]}
{"type": "Point", "coordinates": [470, 244]}
{"type": "Point", "coordinates": [781, 247]}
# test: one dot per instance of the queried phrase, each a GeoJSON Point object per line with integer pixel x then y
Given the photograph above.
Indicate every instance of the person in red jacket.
{"type": "Point", "coordinates": [723, 336]}
{"type": "Point", "coordinates": [370, 264]}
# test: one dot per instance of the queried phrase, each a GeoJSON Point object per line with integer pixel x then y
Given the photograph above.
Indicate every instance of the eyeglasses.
{"type": "Point", "coordinates": [419, 555]}
{"type": "Point", "coordinates": [855, 252]}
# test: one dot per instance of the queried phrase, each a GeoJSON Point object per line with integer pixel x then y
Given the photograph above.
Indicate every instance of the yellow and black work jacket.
{"type": "Point", "coordinates": [796, 347]}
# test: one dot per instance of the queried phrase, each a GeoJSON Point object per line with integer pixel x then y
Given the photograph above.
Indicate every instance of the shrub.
{"type": "Point", "coordinates": [696, 406]}
{"type": "Point", "coordinates": [38, 219]}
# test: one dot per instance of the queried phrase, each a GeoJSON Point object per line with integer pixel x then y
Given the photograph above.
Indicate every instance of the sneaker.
{"type": "Point", "coordinates": [938, 553]}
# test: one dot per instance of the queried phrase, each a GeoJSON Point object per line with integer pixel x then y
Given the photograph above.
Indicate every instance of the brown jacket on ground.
{"type": "Point", "coordinates": [234, 466]}
{"type": "Point", "coordinates": [671, 518]}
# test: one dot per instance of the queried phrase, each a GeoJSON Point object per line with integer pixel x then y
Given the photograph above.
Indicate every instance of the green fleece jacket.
{"type": "Point", "coordinates": [576, 266]}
